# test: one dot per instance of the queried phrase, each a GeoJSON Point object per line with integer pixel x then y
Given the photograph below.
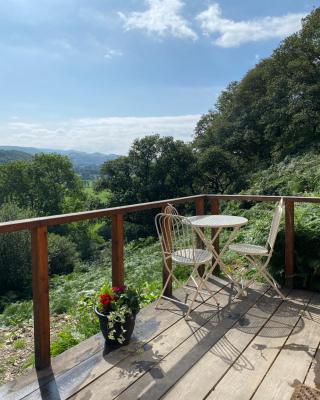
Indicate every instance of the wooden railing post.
{"type": "Point", "coordinates": [200, 211]}
{"type": "Point", "coordinates": [289, 242]}
{"type": "Point", "coordinates": [215, 210]}
{"type": "Point", "coordinates": [199, 206]}
{"type": "Point", "coordinates": [117, 250]}
{"type": "Point", "coordinates": [167, 245]}
{"type": "Point", "coordinates": [40, 290]}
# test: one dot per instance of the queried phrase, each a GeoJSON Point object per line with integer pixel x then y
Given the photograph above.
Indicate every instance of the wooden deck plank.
{"type": "Point", "coordinates": [26, 384]}
{"type": "Point", "coordinates": [128, 371]}
{"type": "Point", "coordinates": [262, 351]}
{"type": "Point", "coordinates": [313, 375]}
{"type": "Point", "coordinates": [149, 325]}
{"type": "Point", "coordinates": [64, 362]}
{"type": "Point", "coordinates": [156, 382]}
{"type": "Point", "coordinates": [256, 348]}
{"type": "Point", "coordinates": [286, 372]}
{"type": "Point", "coordinates": [76, 355]}
{"type": "Point", "coordinates": [202, 376]}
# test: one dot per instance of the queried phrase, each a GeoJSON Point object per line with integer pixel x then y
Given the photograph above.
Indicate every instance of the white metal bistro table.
{"type": "Point", "coordinates": [218, 222]}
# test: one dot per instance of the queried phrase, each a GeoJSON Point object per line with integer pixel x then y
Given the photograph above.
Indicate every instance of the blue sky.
{"type": "Point", "coordinates": [93, 75]}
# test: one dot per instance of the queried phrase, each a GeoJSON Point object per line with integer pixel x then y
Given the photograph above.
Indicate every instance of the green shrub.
{"type": "Point", "coordinates": [87, 240]}
{"type": "Point", "coordinates": [19, 344]}
{"type": "Point", "coordinates": [293, 176]}
{"type": "Point", "coordinates": [15, 253]}
{"type": "Point", "coordinates": [63, 255]}
{"type": "Point", "coordinates": [64, 341]}
{"type": "Point", "coordinates": [16, 313]}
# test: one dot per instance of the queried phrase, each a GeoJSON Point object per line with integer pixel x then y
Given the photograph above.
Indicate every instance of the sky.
{"type": "Point", "coordinates": [93, 75]}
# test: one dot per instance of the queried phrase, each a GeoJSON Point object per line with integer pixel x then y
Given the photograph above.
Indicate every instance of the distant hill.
{"type": "Point", "coordinates": [77, 157]}
{"type": "Point", "coordinates": [13, 155]}
{"type": "Point", "coordinates": [86, 164]}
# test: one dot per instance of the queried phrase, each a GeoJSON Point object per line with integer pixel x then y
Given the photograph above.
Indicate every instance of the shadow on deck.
{"type": "Point", "coordinates": [259, 347]}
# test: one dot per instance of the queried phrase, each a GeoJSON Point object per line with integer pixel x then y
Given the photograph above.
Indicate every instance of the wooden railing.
{"type": "Point", "coordinates": [39, 243]}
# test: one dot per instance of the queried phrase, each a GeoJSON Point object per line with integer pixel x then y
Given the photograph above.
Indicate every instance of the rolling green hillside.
{"type": "Point", "coordinates": [13, 155]}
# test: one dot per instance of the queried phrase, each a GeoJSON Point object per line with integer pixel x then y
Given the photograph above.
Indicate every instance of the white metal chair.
{"type": "Point", "coordinates": [256, 254]}
{"type": "Point", "coordinates": [178, 243]}
{"type": "Point", "coordinates": [170, 209]}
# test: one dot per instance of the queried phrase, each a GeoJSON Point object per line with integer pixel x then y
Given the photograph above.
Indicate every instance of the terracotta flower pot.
{"type": "Point", "coordinates": [128, 326]}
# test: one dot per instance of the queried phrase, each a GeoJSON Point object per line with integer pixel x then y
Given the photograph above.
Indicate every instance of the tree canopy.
{"type": "Point", "coordinates": [42, 184]}
{"type": "Point", "coordinates": [155, 168]}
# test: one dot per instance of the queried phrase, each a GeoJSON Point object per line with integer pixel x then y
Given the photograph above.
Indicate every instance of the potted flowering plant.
{"type": "Point", "coordinates": [117, 309]}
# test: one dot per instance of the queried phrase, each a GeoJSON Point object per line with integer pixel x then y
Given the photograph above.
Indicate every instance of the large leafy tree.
{"type": "Point", "coordinates": [155, 168]}
{"type": "Point", "coordinates": [45, 184]}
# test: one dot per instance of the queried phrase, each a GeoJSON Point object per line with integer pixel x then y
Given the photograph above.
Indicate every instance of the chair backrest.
{"type": "Point", "coordinates": [275, 224]}
{"type": "Point", "coordinates": [170, 209]}
{"type": "Point", "coordinates": [176, 234]}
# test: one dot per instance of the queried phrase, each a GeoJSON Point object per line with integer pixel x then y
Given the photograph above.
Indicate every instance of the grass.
{"type": "Point", "coordinates": [64, 341]}
{"type": "Point", "coordinates": [30, 362]}
{"type": "Point", "coordinates": [19, 344]}
{"type": "Point", "coordinates": [2, 372]}
{"type": "Point", "coordinates": [16, 313]}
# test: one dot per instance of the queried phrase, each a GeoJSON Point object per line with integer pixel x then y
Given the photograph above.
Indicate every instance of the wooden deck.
{"type": "Point", "coordinates": [259, 347]}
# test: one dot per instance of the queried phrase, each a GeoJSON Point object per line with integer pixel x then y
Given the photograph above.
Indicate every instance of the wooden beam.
{"type": "Point", "coordinates": [40, 290]}
{"type": "Point", "coordinates": [199, 202]}
{"type": "Point", "coordinates": [289, 242]}
{"type": "Point", "coordinates": [28, 224]}
{"type": "Point", "coordinates": [167, 245]}
{"type": "Point", "coordinates": [117, 250]}
{"type": "Point", "coordinates": [19, 225]}
{"type": "Point", "coordinates": [215, 210]}
{"type": "Point", "coordinates": [200, 211]}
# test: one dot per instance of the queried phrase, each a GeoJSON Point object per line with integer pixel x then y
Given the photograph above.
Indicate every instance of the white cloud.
{"type": "Point", "coordinates": [111, 53]}
{"type": "Point", "coordinates": [161, 18]}
{"type": "Point", "coordinates": [109, 135]}
{"type": "Point", "coordinates": [233, 33]}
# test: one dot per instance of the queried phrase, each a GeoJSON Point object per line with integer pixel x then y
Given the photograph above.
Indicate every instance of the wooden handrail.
{"type": "Point", "coordinates": [28, 224]}
{"type": "Point", "coordinates": [254, 197]}
{"type": "Point", "coordinates": [39, 226]}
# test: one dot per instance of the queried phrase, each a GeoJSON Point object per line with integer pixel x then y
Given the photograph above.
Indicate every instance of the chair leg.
{"type": "Point", "coordinates": [262, 270]}
{"type": "Point", "coordinates": [203, 282]}
{"type": "Point", "coordinates": [164, 288]}
{"type": "Point", "coordinates": [244, 288]}
{"type": "Point", "coordinates": [255, 264]}
{"type": "Point", "coordinates": [194, 297]}
{"type": "Point", "coordinates": [273, 283]}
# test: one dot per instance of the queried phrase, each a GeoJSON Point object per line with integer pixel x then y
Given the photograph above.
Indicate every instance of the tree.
{"type": "Point", "coordinates": [45, 184]}
{"type": "Point", "coordinates": [218, 171]}
{"type": "Point", "coordinates": [63, 256]}
{"type": "Point", "coordinates": [155, 168]}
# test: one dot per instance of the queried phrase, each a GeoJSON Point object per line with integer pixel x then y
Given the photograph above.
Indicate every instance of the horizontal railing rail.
{"type": "Point", "coordinates": [39, 247]}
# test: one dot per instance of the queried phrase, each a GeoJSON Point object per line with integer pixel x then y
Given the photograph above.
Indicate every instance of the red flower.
{"type": "Point", "coordinates": [106, 299]}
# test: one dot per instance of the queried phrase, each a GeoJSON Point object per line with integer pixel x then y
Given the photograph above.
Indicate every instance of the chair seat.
{"type": "Point", "coordinates": [250, 249]}
{"type": "Point", "coordinates": [191, 256]}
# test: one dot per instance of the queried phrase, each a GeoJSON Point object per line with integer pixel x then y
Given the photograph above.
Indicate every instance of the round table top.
{"type": "Point", "coordinates": [217, 221]}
